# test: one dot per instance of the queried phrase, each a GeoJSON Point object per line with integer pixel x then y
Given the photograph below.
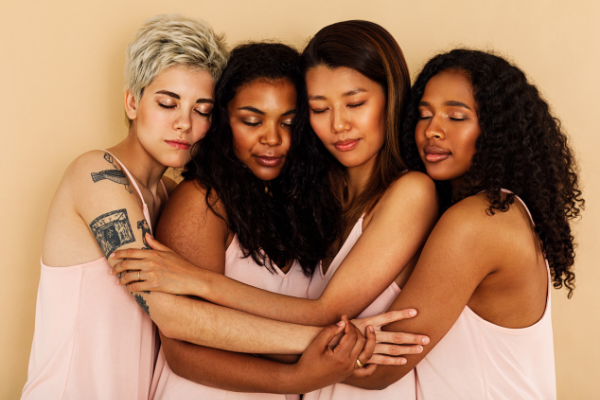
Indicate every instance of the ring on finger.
{"type": "Point", "coordinates": [138, 275]}
{"type": "Point", "coordinates": [360, 365]}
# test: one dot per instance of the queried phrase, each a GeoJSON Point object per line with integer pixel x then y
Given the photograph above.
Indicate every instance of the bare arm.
{"type": "Point", "coordinates": [395, 233]}
{"type": "Point", "coordinates": [103, 198]}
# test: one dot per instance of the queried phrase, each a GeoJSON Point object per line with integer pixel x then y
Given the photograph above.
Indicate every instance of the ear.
{"type": "Point", "coordinates": [130, 105]}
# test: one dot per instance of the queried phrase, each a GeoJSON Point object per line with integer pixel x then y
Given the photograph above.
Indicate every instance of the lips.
{"type": "Point", "coordinates": [435, 154]}
{"type": "Point", "coordinates": [346, 145]}
{"type": "Point", "coordinates": [268, 161]}
{"type": "Point", "coordinates": [179, 144]}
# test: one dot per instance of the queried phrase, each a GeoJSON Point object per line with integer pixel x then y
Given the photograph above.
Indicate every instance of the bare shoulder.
{"type": "Point", "coordinates": [414, 191]}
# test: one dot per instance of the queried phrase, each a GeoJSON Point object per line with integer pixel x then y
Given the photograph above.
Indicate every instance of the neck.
{"type": "Point", "coordinates": [357, 179]}
{"type": "Point", "coordinates": [146, 170]}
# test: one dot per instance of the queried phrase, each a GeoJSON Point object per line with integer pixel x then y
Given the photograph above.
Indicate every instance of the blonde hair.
{"type": "Point", "coordinates": [169, 39]}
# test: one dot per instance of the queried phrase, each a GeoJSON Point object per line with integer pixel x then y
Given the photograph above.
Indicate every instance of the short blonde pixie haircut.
{"type": "Point", "coordinates": [169, 39]}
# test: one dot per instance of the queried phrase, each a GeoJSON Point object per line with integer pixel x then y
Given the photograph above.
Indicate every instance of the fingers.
{"type": "Point", "coordinates": [401, 338]}
{"type": "Point", "coordinates": [130, 265]}
{"type": "Point", "coordinates": [368, 348]}
{"type": "Point", "coordinates": [131, 254]}
{"type": "Point", "coordinates": [364, 372]}
{"type": "Point", "coordinates": [348, 342]}
{"type": "Point", "coordinates": [155, 244]}
{"type": "Point", "coordinates": [381, 359]}
{"type": "Point", "coordinates": [393, 350]}
{"type": "Point", "coordinates": [130, 276]}
{"type": "Point", "coordinates": [391, 316]}
{"type": "Point", "coordinates": [328, 333]}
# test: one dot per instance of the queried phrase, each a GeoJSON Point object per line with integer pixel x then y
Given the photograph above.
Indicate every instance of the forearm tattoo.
{"type": "Point", "coordinates": [142, 303]}
{"type": "Point", "coordinates": [112, 230]}
{"type": "Point", "coordinates": [143, 225]}
{"type": "Point", "coordinates": [116, 175]}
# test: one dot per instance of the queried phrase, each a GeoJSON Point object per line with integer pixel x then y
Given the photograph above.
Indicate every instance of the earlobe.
{"type": "Point", "coordinates": [130, 105]}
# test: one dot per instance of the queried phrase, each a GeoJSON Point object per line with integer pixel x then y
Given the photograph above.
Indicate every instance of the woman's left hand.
{"type": "Point", "coordinates": [159, 269]}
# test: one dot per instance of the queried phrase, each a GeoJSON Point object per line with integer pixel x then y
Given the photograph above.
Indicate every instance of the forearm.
{"type": "Point", "coordinates": [214, 326]}
{"type": "Point", "coordinates": [230, 293]}
{"type": "Point", "coordinates": [230, 371]}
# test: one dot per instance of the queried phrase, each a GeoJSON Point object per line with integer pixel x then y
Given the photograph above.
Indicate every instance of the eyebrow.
{"type": "Point", "coordinates": [257, 111]}
{"type": "Point", "coordinates": [348, 93]}
{"type": "Point", "coordinates": [176, 96]}
{"type": "Point", "coordinates": [451, 103]}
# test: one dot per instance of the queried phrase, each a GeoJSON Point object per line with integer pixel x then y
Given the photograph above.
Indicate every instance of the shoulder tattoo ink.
{"type": "Point", "coordinates": [112, 230]}
{"type": "Point", "coordinates": [143, 225]}
{"type": "Point", "coordinates": [142, 303]}
{"type": "Point", "coordinates": [116, 175]}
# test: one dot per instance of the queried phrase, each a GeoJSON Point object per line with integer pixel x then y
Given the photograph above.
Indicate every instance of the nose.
{"type": "Point", "coordinates": [339, 121]}
{"type": "Point", "coordinates": [435, 129]}
{"type": "Point", "coordinates": [183, 122]}
{"type": "Point", "coordinates": [271, 136]}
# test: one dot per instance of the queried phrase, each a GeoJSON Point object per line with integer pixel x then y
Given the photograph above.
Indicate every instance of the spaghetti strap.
{"type": "Point", "coordinates": [164, 189]}
{"type": "Point", "coordinates": [137, 189]}
{"type": "Point", "coordinates": [523, 203]}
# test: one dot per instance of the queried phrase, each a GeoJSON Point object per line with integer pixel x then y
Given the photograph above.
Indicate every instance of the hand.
{"type": "Point", "coordinates": [387, 349]}
{"type": "Point", "coordinates": [320, 365]}
{"type": "Point", "coordinates": [159, 269]}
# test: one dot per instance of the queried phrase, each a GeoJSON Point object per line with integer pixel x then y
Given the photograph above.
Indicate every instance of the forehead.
{"type": "Point", "coordinates": [183, 80]}
{"type": "Point", "coordinates": [262, 91]}
{"type": "Point", "coordinates": [449, 85]}
{"type": "Point", "coordinates": [339, 80]}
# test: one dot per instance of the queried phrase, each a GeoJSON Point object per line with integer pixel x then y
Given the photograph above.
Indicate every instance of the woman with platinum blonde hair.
{"type": "Point", "coordinates": [92, 341]}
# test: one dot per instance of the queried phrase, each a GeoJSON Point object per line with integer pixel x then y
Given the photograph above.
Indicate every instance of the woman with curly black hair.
{"type": "Point", "coordinates": [482, 283]}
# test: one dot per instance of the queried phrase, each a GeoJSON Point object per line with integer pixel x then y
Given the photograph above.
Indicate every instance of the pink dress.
{"type": "Point", "coordinates": [403, 389]}
{"type": "Point", "coordinates": [479, 360]}
{"type": "Point", "coordinates": [91, 340]}
{"type": "Point", "coordinates": [293, 283]}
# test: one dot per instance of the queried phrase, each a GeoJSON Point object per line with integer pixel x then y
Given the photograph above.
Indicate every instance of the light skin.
{"type": "Point", "coordinates": [388, 224]}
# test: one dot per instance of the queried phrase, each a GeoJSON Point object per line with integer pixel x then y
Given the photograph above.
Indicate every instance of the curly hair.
{"type": "Point", "coordinates": [298, 220]}
{"type": "Point", "coordinates": [522, 148]}
{"type": "Point", "coordinates": [372, 51]}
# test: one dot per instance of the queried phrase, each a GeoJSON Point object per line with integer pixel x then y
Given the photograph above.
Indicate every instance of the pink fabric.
{"type": "Point", "coordinates": [91, 340]}
{"type": "Point", "coordinates": [479, 360]}
{"type": "Point", "coordinates": [293, 283]}
{"type": "Point", "coordinates": [403, 389]}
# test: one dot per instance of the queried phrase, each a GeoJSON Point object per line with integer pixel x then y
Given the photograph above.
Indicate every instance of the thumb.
{"type": "Point", "coordinates": [327, 334]}
{"type": "Point", "coordinates": [155, 244]}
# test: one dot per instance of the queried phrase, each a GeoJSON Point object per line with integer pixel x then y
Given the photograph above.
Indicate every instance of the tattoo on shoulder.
{"type": "Point", "coordinates": [143, 225]}
{"type": "Point", "coordinates": [116, 175]}
{"type": "Point", "coordinates": [112, 230]}
{"type": "Point", "coordinates": [142, 303]}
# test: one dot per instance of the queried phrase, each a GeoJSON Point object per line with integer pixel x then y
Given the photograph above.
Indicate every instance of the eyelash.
{"type": "Point", "coordinates": [173, 106]}
{"type": "Point", "coordinates": [165, 106]}
{"type": "Point", "coordinates": [349, 105]}
{"type": "Point", "coordinates": [251, 123]}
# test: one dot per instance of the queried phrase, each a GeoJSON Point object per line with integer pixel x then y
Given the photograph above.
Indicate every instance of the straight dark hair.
{"type": "Point", "coordinates": [372, 51]}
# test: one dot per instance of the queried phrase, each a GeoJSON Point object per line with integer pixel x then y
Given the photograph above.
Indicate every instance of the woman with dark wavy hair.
{"type": "Point", "coordinates": [482, 283]}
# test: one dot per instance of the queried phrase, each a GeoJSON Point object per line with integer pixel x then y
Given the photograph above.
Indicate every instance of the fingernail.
{"type": "Point", "coordinates": [412, 313]}
{"type": "Point", "coordinates": [341, 323]}
{"type": "Point", "coordinates": [371, 329]}
{"type": "Point", "coordinates": [425, 340]}
{"type": "Point", "coordinates": [112, 255]}
{"type": "Point", "coordinates": [403, 361]}
{"type": "Point", "coordinates": [419, 349]}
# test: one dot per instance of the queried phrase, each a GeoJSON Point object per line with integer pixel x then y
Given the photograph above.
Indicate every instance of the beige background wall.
{"type": "Point", "coordinates": [61, 83]}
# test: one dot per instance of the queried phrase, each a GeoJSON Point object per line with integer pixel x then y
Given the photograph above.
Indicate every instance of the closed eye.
{"type": "Point", "coordinates": [166, 106]}
{"type": "Point", "coordinates": [318, 111]}
{"type": "Point", "coordinates": [356, 105]}
{"type": "Point", "coordinates": [251, 123]}
{"type": "Point", "coordinates": [204, 114]}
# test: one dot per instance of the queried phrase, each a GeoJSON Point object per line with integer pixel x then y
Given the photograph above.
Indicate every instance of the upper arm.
{"type": "Point", "coordinates": [104, 198]}
{"type": "Point", "coordinates": [455, 259]}
{"type": "Point", "coordinates": [192, 230]}
{"type": "Point", "coordinates": [396, 232]}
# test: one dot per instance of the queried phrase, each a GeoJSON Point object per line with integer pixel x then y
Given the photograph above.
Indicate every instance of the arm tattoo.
{"type": "Point", "coordinates": [142, 303]}
{"type": "Point", "coordinates": [116, 175]}
{"type": "Point", "coordinates": [112, 230]}
{"type": "Point", "coordinates": [143, 225]}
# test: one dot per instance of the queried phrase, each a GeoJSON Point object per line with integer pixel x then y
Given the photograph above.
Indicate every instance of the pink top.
{"type": "Point", "coordinates": [293, 283]}
{"type": "Point", "coordinates": [91, 340]}
{"type": "Point", "coordinates": [479, 360]}
{"type": "Point", "coordinates": [403, 389]}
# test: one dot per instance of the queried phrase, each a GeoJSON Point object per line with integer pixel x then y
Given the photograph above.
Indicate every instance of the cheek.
{"type": "Point", "coordinates": [319, 125]}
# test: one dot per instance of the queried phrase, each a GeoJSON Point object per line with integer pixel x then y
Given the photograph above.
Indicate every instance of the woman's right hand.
{"type": "Point", "coordinates": [158, 269]}
{"type": "Point", "coordinates": [321, 365]}
{"type": "Point", "coordinates": [390, 345]}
